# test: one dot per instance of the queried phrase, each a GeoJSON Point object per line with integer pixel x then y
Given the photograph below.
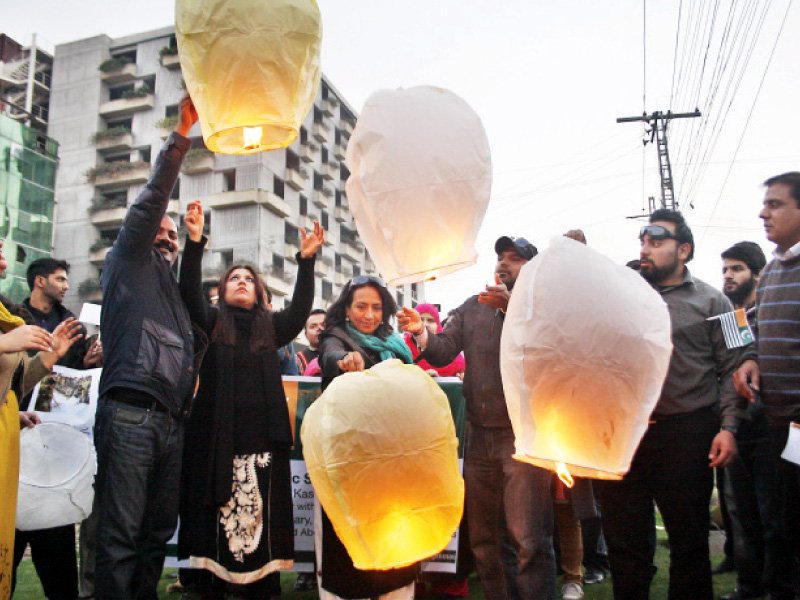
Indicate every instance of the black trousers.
{"type": "Point", "coordinates": [53, 554]}
{"type": "Point", "coordinates": [670, 468]}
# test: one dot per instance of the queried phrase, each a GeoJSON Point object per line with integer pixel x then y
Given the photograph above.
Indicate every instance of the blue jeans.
{"type": "Point", "coordinates": [500, 489]}
{"type": "Point", "coordinates": [138, 479]}
{"type": "Point", "coordinates": [670, 468]}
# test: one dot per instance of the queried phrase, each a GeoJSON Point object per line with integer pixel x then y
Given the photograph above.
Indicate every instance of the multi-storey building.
{"type": "Point", "coordinates": [114, 101]}
{"type": "Point", "coordinates": [28, 161]}
{"type": "Point", "coordinates": [25, 73]}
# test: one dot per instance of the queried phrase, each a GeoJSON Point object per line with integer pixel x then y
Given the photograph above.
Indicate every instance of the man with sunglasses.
{"type": "Point", "coordinates": [685, 439]}
{"type": "Point", "coordinates": [499, 489]}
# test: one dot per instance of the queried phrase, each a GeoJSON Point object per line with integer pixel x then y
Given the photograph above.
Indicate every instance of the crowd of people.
{"type": "Point", "coordinates": [192, 420]}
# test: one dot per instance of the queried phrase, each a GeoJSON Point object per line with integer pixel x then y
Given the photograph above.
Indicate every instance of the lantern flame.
{"type": "Point", "coordinates": [432, 275]}
{"type": "Point", "coordinates": [252, 138]}
{"type": "Point", "coordinates": [564, 475]}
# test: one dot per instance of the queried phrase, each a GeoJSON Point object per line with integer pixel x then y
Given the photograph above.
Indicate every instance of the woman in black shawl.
{"type": "Point", "coordinates": [236, 506]}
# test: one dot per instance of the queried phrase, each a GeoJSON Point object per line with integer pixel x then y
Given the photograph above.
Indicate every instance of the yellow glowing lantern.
{"type": "Point", "coordinates": [251, 68]}
{"type": "Point", "coordinates": [420, 181]}
{"type": "Point", "coordinates": [381, 451]}
{"type": "Point", "coordinates": [585, 349]}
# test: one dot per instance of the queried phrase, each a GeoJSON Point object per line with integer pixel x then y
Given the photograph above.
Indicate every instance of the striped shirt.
{"type": "Point", "coordinates": [778, 340]}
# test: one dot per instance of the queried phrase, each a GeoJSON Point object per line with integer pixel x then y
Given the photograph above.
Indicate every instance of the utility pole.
{"type": "Point", "coordinates": [658, 122]}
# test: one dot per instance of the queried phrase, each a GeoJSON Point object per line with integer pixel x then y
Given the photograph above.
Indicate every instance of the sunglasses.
{"type": "Point", "coordinates": [364, 279]}
{"type": "Point", "coordinates": [656, 232]}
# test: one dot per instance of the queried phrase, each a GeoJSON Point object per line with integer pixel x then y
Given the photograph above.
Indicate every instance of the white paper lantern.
{"type": "Point", "coordinates": [57, 465]}
{"type": "Point", "coordinates": [251, 68]}
{"type": "Point", "coordinates": [420, 181]}
{"type": "Point", "coordinates": [585, 349]}
{"type": "Point", "coordinates": [382, 454]}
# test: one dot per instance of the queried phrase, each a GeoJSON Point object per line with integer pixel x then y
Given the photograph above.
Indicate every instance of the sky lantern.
{"type": "Point", "coordinates": [56, 476]}
{"type": "Point", "coordinates": [381, 451]}
{"type": "Point", "coordinates": [421, 175]}
{"type": "Point", "coordinates": [585, 349]}
{"type": "Point", "coordinates": [251, 68]}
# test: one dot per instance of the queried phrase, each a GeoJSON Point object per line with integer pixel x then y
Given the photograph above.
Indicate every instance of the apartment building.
{"type": "Point", "coordinates": [113, 101]}
{"type": "Point", "coordinates": [25, 74]}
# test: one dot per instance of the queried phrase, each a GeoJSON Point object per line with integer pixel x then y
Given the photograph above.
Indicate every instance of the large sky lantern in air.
{"type": "Point", "coordinates": [420, 181]}
{"type": "Point", "coordinates": [585, 349]}
{"type": "Point", "coordinates": [381, 451]}
{"type": "Point", "coordinates": [251, 68]}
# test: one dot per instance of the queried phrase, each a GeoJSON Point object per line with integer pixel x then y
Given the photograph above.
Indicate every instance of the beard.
{"type": "Point", "coordinates": [655, 274]}
{"type": "Point", "coordinates": [742, 292]}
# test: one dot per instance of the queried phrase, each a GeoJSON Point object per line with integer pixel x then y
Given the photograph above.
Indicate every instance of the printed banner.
{"type": "Point", "coordinates": [67, 396]}
{"type": "Point", "coordinates": [300, 393]}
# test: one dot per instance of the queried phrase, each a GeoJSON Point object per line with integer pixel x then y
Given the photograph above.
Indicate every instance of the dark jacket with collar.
{"type": "Point", "coordinates": [73, 359]}
{"type": "Point", "coordinates": [147, 337]}
{"type": "Point", "coordinates": [475, 329]}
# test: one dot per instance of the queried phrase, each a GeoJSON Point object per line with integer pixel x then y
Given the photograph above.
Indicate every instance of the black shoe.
{"type": "Point", "coordinates": [726, 566]}
{"type": "Point", "coordinates": [593, 576]}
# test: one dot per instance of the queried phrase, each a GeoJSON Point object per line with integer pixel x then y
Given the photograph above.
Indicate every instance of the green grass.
{"type": "Point", "coordinates": [28, 587]}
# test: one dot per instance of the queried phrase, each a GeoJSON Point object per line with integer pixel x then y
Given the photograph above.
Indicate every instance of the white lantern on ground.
{"type": "Point", "coordinates": [251, 68]}
{"type": "Point", "coordinates": [382, 454]}
{"type": "Point", "coordinates": [585, 349]}
{"type": "Point", "coordinates": [57, 465]}
{"type": "Point", "coordinates": [420, 181]}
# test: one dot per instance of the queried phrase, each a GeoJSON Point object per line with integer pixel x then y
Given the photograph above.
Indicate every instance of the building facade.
{"type": "Point", "coordinates": [28, 161]}
{"type": "Point", "coordinates": [113, 101]}
{"type": "Point", "coordinates": [25, 75]}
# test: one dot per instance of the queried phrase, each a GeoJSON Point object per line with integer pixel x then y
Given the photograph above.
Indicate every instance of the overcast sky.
{"type": "Point", "coordinates": [548, 80]}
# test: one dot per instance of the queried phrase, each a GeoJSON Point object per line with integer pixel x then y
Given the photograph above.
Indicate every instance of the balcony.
{"type": "Point", "coordinates": [118, 174]}
{"type": "Point", "coordinates": [320, 132]}
{"type": "Point", "coordinates": [340, 151]}
{"type": "Point", "coordinates": [245, 197]}
{"type": "Point", "coordinates": [342, 215]}
{"type": "Point", "coordinates": [198, 160]}
{"type": "Point", "coordinates": [124, 74]}
{"type": "Point", "coordinates": [113, 143]}
{"type": "Point", "coordinates": [309, 153]}
{"type": "Point", "coordinates": [329, 106]}
{"type": "Point", "coordinates": [330, 171]}
{"type": "Point", "coordinates": [107, 217]}
{"type": "Point", "coordinates": [171, 61]}
{"type": "Point", "coordinates": [296, 178]}
{"type": "Point", "coordinates": [98, 257]}
{"type": "Point", "coordinates": [279, 286]}
{"type": "Point", "coordinates": [319, 198]}
{"type": "Point", "coordinates": [347, 126]}
{"type": "Point", "coordinates": [126, 106]}
{"type": "Point", "coordinates": [352, 253]}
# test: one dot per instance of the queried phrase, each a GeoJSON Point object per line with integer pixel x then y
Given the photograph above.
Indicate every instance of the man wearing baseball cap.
{"type": "Point", "coordinates": [499, 489]}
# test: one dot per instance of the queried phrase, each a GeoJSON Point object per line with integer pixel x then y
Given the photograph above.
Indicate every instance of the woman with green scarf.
{"type": "Point", "coordinates": [357, 336]}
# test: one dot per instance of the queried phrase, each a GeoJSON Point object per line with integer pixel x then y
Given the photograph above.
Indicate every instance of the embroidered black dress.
{"type": "Point", "coordinates": [236, 504]}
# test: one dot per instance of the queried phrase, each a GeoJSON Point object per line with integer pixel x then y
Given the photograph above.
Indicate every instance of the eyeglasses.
{"type": "Point", "coordinates": [364, 279]}
{"type": "Point", "coordinates": [656, 232]}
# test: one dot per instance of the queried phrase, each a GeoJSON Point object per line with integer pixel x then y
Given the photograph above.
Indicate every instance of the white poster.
{"type": "Point", "coordinates": [67, 396]}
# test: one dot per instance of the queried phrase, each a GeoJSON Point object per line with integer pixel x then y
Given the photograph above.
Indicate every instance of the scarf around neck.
{"type": "Point", "coordinates": [392, 347]}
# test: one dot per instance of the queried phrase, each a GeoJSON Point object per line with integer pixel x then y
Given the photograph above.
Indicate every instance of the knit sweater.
{"type": "Point", "coordinates": [778, 340]}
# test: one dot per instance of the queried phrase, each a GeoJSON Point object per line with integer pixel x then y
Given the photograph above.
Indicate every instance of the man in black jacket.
{"type": "Point", "coordinates": [147, 380]}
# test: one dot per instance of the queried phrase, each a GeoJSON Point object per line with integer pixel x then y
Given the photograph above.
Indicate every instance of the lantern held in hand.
{"type": "Point", "coordinates": [381, 451]}
{"type": "Point", "coordinates": [251, 68]}
{"type": "Point", "coordinates": [585, 349]}
{"type": "Point", "coordinates": [420, 180]}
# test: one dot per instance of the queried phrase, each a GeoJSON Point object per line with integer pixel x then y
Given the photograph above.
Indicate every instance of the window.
{"type": "Point", "coordinates": [290, 233]}
{"type": "Point", "coordinates": [292, 160]}
{"type": "Point", "coordinates": [327, 290]}
{"type": "Point", "coordinates": [130, 55]}
{"type": "Point", "coordinates": [226, 257]}
{"type": "Point", "coordinates": [344, 172]}
{"type": "Point", "coordinates": [116, 93]}
{"type": "Point", "coordinates": [317, 181]}
{"type": "Point", "coordinates": [277, 186]}
{"type": "Point", "coordinates": [149, 82]}
{"type": "Point", "coordinates": [126, 123]}
{"type": "Point", "coordinates": [303, 205]}
{"type": "Point", "coordinates": [324, 154]}
{"type": "Point", "coordinates": [337, 261]}
{"type": "Point", "coordinates": [277, 265]}
{"type": "Point", "coordinates": [303, 136]}
{"type": "Point", "coordinates": [338, 195]}
{"type": "Point", "coordinates": [317, 115]}
{"type": "Point", "coordinates": [324, 90]}
{"type": "Point", "coordinates": [229, 180]}
{"type": "Point", "coordinates": [400, 298]}
{"type": "Point", "coordinates": [337, 136]}
{"type": "Point", "coordinates": [171, 110]}
{"type": "Point", "coordinates": [356, 270]}
{"type": "Point", "coordinates": [144, 154]}
{"type": "Point", "coordinates": [323, 219]}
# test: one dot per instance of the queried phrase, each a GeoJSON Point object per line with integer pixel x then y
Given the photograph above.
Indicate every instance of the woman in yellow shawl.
{"type": "Point", "coordinates": [18, 375]}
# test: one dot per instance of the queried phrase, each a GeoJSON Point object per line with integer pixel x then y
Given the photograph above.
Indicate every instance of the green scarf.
{"type": "Point", "coordinates": [393, 346]}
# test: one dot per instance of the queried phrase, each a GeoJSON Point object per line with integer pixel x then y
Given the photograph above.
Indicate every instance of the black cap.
{"type": "Point", "coordinates": [520, 245]}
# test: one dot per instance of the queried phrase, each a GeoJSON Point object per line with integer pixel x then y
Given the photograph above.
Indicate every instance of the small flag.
{"type": "Point", "coordinates": [735, 328]}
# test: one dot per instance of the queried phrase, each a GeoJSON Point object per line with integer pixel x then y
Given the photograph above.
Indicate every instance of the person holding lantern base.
{"type": "Point", "coordinates": [236, 506]}
{"type": "Point", "coordinates": [357, 336]}
{"type": "Point", "coordinates": [498, 488]}
{"type": "Point", "coordinates": [673, 464]}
